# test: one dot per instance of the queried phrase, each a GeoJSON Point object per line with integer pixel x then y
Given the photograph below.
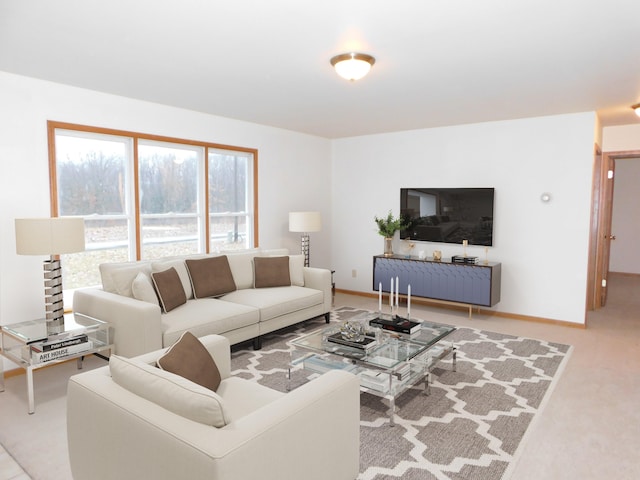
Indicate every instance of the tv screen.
{"type": "Point", "coordinates": [448, 215]}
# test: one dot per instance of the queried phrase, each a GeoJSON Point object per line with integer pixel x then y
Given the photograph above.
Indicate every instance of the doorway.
{"type": "Point", "coordinates": [602, 216]}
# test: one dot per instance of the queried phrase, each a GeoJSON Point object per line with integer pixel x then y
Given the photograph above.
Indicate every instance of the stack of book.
{"type": "Point", "coordinates": [366, 344]}
{"type": "Point", "coordinates": [396, 324]}
{"type": "Point", "coordinates": [378, 381]}
{"type": "Point", "coordinates": [54, 349]}
{"type": "Point", "coordinates": [403, 372]}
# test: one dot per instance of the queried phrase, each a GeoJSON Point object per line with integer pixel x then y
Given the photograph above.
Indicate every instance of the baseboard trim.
{"type": "Point", "coordinates": [460, 307]}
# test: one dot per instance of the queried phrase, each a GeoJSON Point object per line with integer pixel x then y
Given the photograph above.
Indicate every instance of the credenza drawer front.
{"type": "Point", "coordinates": [463, 283]}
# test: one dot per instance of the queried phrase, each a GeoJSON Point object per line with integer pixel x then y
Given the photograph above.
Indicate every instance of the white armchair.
{"type": "Point", "coordinates": [311, 432]}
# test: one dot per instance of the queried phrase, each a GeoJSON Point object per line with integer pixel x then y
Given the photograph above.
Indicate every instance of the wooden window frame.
{"type": "Point", "coordinates": [52, 126]}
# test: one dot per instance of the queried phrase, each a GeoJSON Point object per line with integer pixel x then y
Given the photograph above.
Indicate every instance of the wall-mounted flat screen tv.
{"type": "Point", "coordinates": [448, 215]}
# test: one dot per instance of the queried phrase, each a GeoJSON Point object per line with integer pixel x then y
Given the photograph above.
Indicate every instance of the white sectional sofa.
{"type": "Point", "coordinates": [128, 301]}
{"type": "Point", "coordinates": [130, 420]}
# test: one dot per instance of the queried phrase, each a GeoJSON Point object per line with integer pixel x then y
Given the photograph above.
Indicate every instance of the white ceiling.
{"type": "Point", "coordinates": [438, 62]}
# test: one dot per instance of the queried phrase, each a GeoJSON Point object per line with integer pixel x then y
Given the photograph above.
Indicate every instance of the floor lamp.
{"type": "Point", "coordinates": [305, 222]}
{"type": "Point", "coordinates": [50, 236]}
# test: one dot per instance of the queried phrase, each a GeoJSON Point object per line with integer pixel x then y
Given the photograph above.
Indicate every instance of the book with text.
{"type": "Point", "coordinates": [67, 342]}
{"type": "Point", "coordinates": [39, 357]}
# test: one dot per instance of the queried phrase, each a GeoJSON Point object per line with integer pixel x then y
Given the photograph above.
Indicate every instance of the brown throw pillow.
{"type": "Point", "coordinates": [189, 358]}
{"type": "Point", "coordinates": [169, 289]}
{"type": "Point", "coordinates": [271, 272]}
{"type": "Point", "coordinates": [211, 276]}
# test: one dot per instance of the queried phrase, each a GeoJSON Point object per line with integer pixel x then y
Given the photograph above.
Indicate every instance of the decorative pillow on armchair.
{"type": "Point", "coordinates": [189, 358]}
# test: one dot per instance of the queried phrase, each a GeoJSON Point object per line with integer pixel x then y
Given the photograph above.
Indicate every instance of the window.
{"type": "Point", "coordinates": [145, 197]}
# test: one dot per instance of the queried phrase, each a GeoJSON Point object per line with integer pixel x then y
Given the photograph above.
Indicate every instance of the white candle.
{"type": "Point", "coordinates": [391, 295]}
{"type": "Point", "coordinates": [408, 300]}
{"type": "Point", "coordinates": [397, 292]}
{"type": "Point", "coordinates": [380, 296]}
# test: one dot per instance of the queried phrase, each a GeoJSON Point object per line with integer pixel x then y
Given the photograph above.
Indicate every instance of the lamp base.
{"type": "Point", "coordinates": [53, 297]}
{"type": "Point", "coordinates": [55, 326]}
{"type": "Point", "coordinates": [304, 247]}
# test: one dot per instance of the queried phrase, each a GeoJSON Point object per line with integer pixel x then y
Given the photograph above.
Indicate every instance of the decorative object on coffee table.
{"type": "Point", "coordinates": [353, 331]}
{"type": "Point", "coordinates": [387, 227]}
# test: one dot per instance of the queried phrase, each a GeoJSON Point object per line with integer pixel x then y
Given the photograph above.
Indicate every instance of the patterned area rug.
{"type": "Point", "coordinates": [472, 424]}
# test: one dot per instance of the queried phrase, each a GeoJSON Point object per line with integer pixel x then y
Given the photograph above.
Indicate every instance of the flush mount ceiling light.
{"type": "Point", "coordinates": [352, 66]}
{"type": "Point", "coordinates": [636, 108]}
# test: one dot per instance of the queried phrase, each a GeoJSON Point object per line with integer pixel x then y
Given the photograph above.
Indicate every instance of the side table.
{"type": "Point", "coordinates": [21, 342]}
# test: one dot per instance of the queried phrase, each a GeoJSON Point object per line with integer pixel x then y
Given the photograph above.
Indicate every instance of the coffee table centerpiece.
{"type": "Point", "coordinates": [387, 362]}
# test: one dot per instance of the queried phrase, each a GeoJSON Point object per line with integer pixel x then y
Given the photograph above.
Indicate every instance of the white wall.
{"type": "Point", "coordinates": [543, 248]}
{"type": "Point", "coordinates": [621, 138]}
{"type": "Point", "coordinates": [294, 171]}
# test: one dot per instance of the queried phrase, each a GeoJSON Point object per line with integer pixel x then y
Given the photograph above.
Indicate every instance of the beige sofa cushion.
{"type": "Point", "coordinates": [142, 288]}
{"type": "Point", "coordinates": [296, 270]}
{"type": "Point", "coordinates": [241, 265]}
{"type": "Point", "coordinates": [277, 301]}
{"type": "Point", "coordinates": [118, 277]}
{"type": "Point", "coordinates": [206, 316]}
{"type": "Point", "coordinates": [191, 360]}
{"type": "Point", "coordinates": [172, 392]}
{"type": "Point", "coordinates": [210, 277]}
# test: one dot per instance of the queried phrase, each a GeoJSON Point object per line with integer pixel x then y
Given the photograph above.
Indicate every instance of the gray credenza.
{"type": "Point", "coordinates": [468, 284]}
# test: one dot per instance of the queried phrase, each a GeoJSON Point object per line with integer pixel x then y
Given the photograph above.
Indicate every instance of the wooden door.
{"type": "Point", "coordinates": [607, 236]}
{"type": "Point", "coordinates": [600, 231]}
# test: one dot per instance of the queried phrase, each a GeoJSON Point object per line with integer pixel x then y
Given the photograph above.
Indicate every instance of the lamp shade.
{"type": "Point", "coordinates": [49, 236]}
{"type": "Point", "coordinates": [305, 222]}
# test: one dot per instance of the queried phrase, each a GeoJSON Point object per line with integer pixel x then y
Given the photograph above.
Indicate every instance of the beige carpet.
{"type": "Point", "coordinates": [473, 424]}
{"type": "Point", "coordinates": [38, 442]}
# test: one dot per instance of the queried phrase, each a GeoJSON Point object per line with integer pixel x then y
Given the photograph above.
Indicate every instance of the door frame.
{"type": "Point", "coordinates": [600, 229]}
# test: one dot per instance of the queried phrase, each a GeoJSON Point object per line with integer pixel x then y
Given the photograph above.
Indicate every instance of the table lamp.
{"type": "Point", "coordinates": [50, 236]}
{"type": "Point", "coordinates": [305, 222]}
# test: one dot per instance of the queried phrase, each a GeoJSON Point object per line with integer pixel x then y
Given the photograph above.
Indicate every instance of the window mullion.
{"type": "Point", "coordinates": [133, 207]}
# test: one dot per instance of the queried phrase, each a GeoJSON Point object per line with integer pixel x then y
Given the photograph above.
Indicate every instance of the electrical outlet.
{"type": "Point", "coordinates": [354, 273]}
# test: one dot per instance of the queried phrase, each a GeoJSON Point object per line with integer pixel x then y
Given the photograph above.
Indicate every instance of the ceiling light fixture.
{"type": "Point", "coordinates": [352, 66]}
{"type": "Point", "coordinates": [636, 108]}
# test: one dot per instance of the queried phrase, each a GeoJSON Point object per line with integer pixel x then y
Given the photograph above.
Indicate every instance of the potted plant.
{"type": "Point", "coordinates": [387, 227]}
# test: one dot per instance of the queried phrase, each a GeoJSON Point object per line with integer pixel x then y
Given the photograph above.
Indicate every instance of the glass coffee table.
{"type": "Point", "coordinates": [32, 345]}
{"type": "Point", "coordinates": [390, 367]}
